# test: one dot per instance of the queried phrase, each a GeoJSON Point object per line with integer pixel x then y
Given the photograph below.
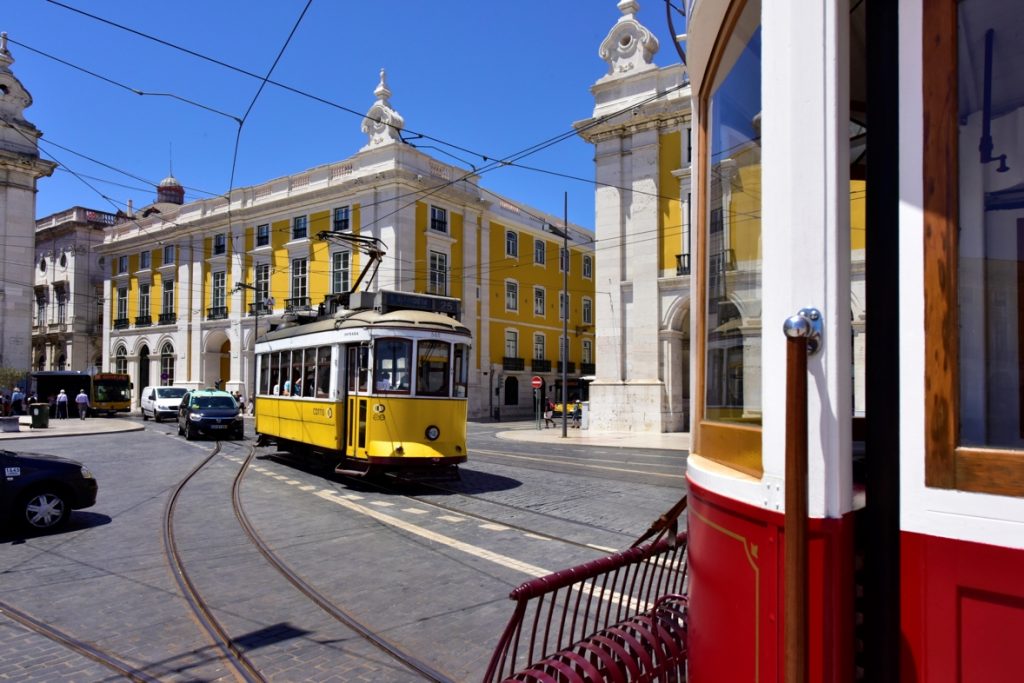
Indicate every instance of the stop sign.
{"type": "Point", "coordinates": [536, 382]}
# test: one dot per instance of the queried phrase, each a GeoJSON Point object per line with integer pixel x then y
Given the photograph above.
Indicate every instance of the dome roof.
{"type": "Point", "coordinates": [169, 181]}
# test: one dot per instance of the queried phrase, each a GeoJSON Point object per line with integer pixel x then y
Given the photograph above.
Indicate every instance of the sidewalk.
{"type": "Point", "coordinates": [71, 427]}
{"type": "Point", "coordinates": [527, 431]}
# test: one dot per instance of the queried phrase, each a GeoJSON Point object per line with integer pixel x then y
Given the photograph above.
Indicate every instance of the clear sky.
{"type": "Point", "coordinates": [491, 76]}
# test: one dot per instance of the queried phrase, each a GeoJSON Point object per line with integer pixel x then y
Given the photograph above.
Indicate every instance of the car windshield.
{"type": "Point", "coordinates": [171, 392]}
{"type": "Point", "coordinates": [213, 402]}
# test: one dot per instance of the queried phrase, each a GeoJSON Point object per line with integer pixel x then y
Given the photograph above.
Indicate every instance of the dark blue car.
{"type": "Point", "coordinates": [210, 412]}
{"type": "Point", "coordinates": [38, 492]}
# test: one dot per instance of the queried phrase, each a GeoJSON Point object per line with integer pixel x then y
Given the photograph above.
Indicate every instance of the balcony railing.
{"type": "Point", "coordinates": [513, 363]}
{"type": "Point", "coordinates": [216, 312]}
{"type": "Point", "coordinates": [297, 303]}
{"type": "Point", "coordinates": [682, 264]}
{"type": "Point", "coordinates": [260, 309]}
{"type": "Point", "coordinates": [122, 323]}
{"type": "Point", "coordinates": [571, 368]}
{"type": "Point", "coordinates": [540, 365]}
{"type": "Point", "coordinates": [143, 320]}
{"type": "Point", "coordinates": [167, 318]}
{"type": "Point", "coordinates": [587, 368]}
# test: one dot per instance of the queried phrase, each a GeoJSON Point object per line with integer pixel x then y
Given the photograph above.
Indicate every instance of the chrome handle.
{"type": "Point", "coordinates": [806, 323]}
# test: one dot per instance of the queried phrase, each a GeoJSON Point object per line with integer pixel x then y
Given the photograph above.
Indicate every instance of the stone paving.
{"type": "Point", "coordinates": [429, 579]}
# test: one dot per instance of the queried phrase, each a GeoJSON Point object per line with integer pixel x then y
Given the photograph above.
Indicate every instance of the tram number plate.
{"type": "Point", "coordinates": [219, 426]}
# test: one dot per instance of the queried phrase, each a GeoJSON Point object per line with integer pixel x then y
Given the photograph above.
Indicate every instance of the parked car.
{"type": "Point", "coordinates": [40, 491]}
{"type": "Point", "coordinates": [210, 412]}
{"type": "Point", "coordinates": [161, 402]}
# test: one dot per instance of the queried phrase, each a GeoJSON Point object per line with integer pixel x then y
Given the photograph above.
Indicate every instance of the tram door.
{"type": "Point", "coordinates": [357, 372]}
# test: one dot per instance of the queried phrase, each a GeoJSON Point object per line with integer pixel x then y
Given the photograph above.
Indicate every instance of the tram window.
{"type": "Point", "coordinates": [275, 374]}
{"type": "Point", "coordinates": [293, 375]}
{"type": "Point", "coordinates": [461, 370]}
{"type": "Point", "coordinates": [358, 366]}
{"type": "Point", "coordinates": [392, 361]}
{"type": "Point", "coordinates": [264, 385]}
{"type": "Point", "coordinates": [309, 378]}
{"type": "Point", "coordinates": [323, 372]}
{"type": "Point", "coordinates": [432, 368]}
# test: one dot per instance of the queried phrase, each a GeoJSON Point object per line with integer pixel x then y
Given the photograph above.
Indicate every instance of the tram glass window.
{"type": "Point", "coordinates": [461, 370]}
{"type": "Point", "coordinates": [432, 368]}
{"type": "Point", "coordinates": [309, 378]}
{"type": "Point", "coordinates": [293, 378]}
{"type": "Point", "coordinates": [358, 367]}
{"type": "Point", "coordinates": [264, 385]}
{"type": "Point", "coordinates": [275, 373]}
{"type": "Point", "coordinates": [392, 362]}
{"type": "Point", "coordinates": [323, 372]}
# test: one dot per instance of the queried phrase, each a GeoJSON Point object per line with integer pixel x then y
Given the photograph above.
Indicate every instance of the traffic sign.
{"type": "Point", "coordinates": [536, 382]}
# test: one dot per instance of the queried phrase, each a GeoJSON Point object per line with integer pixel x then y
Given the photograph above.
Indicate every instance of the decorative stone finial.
{"type": "Point", "coordinates": [382, 123]}
{"type": "Point", "coordinates": [629, 46]}
{"type": "Point", "coordinates": [5, 55]}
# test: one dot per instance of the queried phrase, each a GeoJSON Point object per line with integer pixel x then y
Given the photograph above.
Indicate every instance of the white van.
{"type": "Point", "coordinates": [159, 402]}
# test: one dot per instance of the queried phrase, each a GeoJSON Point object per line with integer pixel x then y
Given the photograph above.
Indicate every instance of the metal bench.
{"type": "Point", "coordinates": [616, 618]}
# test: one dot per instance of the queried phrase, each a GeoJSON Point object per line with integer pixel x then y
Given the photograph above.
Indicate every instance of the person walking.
{"type": "Point", "coordinates": [577, 413]}
{"type": "Point", "coordinates": [17, 402]}
{"type": "Point", "coordinates": [62, 405]}
{"type": "Point", "coordinates": [82, 403]}
{"type": "Point", "coordinates": [549, 414]}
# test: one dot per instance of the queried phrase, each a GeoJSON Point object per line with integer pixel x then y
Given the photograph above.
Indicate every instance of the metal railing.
{"type": "Point", "coordinates": [682, 264]}
{"type": "Point", "coordinates": [540, 365]}
{"type": "Point", "coordinates": [143, 320]}
{"type": "Point", "coordinates": [260, 309]}
{"type": "Point", "coordinates": [513, 364]}
{"type": "Point", "coordinates": [167, 318]}
{"type": "Point", "coordinates": [297, 303]}
{"type": "Point", "coordinates": [122, 323]}
{"type": "Point", "coordinates": [216, 312]}
{"type": "Point", "coordinates": [617, 618]}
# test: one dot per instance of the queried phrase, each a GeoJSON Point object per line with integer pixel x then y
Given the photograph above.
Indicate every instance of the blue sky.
{"type": "Point", "coordinates": [491, 76]}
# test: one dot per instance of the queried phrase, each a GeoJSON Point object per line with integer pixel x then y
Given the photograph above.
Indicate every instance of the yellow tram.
{"type": "Point", "coordinates": [373, 388]}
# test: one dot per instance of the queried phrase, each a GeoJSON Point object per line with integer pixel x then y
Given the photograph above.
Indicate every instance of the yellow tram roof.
{"type": "Point", "coordinates": [372, 319]}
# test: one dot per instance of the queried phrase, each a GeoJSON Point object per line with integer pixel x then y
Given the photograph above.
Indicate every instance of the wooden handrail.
{"type": "Point", "coordinates": [795, 587]}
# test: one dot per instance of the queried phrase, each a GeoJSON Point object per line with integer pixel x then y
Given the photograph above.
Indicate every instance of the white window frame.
{"type": "Point", "coordinates": [588, 266]}
{"type": "Point", "coordinates": [145, 260]}
{"type": "Point", "coordinates": [257, 237]}
{"type": "Point", "coordinates": [540, 251]}
{"type": "Point", "coordinates": [218, 295]}
{"type": "Point", "coordinates": [512, 343]}
{"type": "Point", "coordinates": [511, 295]}
{"type": "Point", "coordinates": [300, 223]}
{"type": "Point", "coordinates": [122, 303]}
{"type": "Point", "coordinates": [540, 301]}
{"type": "Point", "coordinates": [169, 254]}
{"type": "Point", "coordinates": [167, 297]}
{"type": "Point", "coordinates": [588, 352]}
{"type": "Point", "coordinates": [437, 273]}
{"type": "Point", "coordinates": [539, 346]}
{"type": "Point", "coordinates": [122, 265]}
{"type": "Point", "coordinates": [299, 281]}
{"type": "Point", "coordinates": [512, 244]}
{"type": "Point", "coordinates": [341, 271]}
{"type": "Point", "coordinates": [341, 219]}
{"type": "Point", "coordinates": [220, 244]}
{"type": "Point", "coordinates": [588, 310]}
{"type": "Point", "coordinates": [563, 259]}
{"type": "Point", "coordinates": [563, 305]}
{"type": "Point", "coordinates": [144, 299]}
{"type": "Point", "coordinates": [438, 217]}
{"type": "Point", "coordinates": [261, 279]}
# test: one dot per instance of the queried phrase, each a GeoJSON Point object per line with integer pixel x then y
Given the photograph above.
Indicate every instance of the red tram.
{"type": "Point", "coordinates": [898, 552]}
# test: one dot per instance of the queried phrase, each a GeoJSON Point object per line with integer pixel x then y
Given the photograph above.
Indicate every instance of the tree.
{"type": "Point", "coordinates": [10, 377]}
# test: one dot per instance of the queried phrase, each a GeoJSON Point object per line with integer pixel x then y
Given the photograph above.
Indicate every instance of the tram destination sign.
{"type": "Point", "coordinates": [390, 300]}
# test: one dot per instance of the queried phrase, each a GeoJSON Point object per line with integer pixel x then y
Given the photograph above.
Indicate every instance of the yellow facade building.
{"type": "Point", "coordinates": [189, 282]}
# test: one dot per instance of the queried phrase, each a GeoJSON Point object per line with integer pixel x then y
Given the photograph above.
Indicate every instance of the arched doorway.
{"type": "Point", "coordinates": [143, 369]}
{"type": "Point", "coordinates": [511, 391]}
{"type": "Point", "coordinates": [217, 360]}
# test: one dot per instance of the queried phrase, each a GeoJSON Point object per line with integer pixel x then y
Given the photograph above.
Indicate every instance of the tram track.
{"type": "Point", "coordinates": [81, 647]}
{"type": "Point", "coordinates": [230, 653]}
{"type": "Point", "coordinates": [388, 647]}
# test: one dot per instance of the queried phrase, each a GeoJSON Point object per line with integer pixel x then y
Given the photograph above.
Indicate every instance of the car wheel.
{"type": "Point", "coordinates": [179, 429]}
{"type": "Point", "coordinates": [44, 509]}
{"type": "Point", "coordinates": [190, 433]}
{"type": "Point", "coordinates": [144, 416]}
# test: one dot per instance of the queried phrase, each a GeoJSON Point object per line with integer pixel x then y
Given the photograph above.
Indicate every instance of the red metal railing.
{"type": "Point", "coordinates": [616, 618]}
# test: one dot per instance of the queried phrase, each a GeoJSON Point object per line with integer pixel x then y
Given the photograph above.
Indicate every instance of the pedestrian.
{"type": "Point", "coordinates": [82, 403]}
{"type": "Point", "coordinates": [549, 414]}
{"type": "Point", "coordinates": [577, 413]}
{"type": "Point", "coordinates": [17, 402]}
{"type": "Point", "coordinates": [62, 405]}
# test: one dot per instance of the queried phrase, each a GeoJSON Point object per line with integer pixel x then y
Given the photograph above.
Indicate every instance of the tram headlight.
{"type": "Point", "coordinates": [432, 433]}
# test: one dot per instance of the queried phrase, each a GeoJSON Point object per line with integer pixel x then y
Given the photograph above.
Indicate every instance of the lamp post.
{"type": "Point", "coordinates": [564, 234]}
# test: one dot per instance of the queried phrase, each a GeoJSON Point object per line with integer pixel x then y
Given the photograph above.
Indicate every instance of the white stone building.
{"type": "Point", "coordinates": [20, 168]}
{"type": "Point", "coordinates": [68, 293]}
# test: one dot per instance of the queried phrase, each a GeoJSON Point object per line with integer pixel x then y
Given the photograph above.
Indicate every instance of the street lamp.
{"type": "Point", "coordinates": [564, 234]}
{"type": "Point", "coordinates": [256, 306]}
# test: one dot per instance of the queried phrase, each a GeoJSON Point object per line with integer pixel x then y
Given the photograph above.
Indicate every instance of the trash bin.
{"type": "Point", "coordinates": [40, 415]}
